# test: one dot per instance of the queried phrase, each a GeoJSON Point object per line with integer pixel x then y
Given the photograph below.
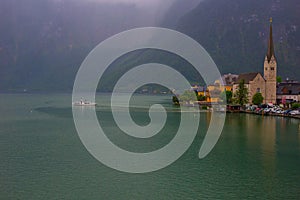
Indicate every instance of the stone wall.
{"type": "Point", "coordinates": [258, 84]}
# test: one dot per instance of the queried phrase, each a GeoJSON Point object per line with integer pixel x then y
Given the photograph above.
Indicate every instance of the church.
{"type": "Point", "coordinates": [266, 83]}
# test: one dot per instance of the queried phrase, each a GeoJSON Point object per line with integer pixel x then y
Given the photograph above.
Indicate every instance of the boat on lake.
{"type": "Point", "coordinates": [84, 103]}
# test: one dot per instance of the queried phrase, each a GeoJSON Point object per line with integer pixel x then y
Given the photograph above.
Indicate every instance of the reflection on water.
{"type": "Point", "coordinates": [42, 157]}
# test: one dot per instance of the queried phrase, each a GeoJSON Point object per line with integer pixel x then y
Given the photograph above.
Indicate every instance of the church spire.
{"type": "Point", "coordinates": [270, 52]}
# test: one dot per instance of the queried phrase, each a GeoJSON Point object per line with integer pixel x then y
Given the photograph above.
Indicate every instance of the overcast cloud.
{"type": "Point", "coordinates": [141, 3]}
{"type": "Point", "coordinates": [153, 9]}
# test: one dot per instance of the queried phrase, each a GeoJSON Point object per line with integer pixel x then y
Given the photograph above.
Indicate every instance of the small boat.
{"type": "Point", "coordinates": [84, 103]}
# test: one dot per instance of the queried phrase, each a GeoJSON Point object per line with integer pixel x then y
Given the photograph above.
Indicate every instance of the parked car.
{"type": "Point", "coordinates": [294, 112]}
{"type": "Point", "coordinates": [287, 112]}
{"type": "Point", "coordinates": [280, 111]}
{"type": "Point", "coordinates": [267, 110]}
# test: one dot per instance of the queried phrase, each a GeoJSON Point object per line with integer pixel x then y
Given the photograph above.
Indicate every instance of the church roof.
{"type": "Point", "coordinates": [247, 77]}
{"type": "Point", "coordinates": [270, 51]}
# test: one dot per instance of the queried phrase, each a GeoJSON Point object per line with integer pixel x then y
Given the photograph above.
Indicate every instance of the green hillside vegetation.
{"type": "Point", "coordinates": [235, 33]}
{"type": "Point", "coordinates": [139, 57]}
{"type": "Point", "coordinates": [43, 43]}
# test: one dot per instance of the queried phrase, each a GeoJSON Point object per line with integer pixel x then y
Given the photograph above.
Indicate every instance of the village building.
{"type": "Point", "coordinates": [266, 83]}
{"type": "Point", "coordinates": [229, 80]}
{"type": "Point", "coordinates": [254, 82]}
{"type": "Point", "coordinates": [288, 92]}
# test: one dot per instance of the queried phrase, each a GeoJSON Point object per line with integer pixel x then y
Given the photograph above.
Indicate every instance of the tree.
{"type": "Point", "coordinates": [201, 98]}
{"type": "Point", "coordinates": [278, 79]}
{"type": "Point", "coordinates": [188, 96]}
{"type": "Point", "coordinates": [257, 98]}
{"type": "Point", "coordinates": [175, 100]}
{"type": "Point", "coordinates": [241, 95]}
{"type": "Point", "coordinates": [226, 95]}
{"type": "Point", "coordinates": [295, 105]}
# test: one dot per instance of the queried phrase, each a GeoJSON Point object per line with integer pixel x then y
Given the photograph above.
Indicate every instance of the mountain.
{"type": "Point", "coordinates": [43, 43]}
{"type": "Point", "coordinates": [176, 11]}
{"type": "Point", "coordinates": [235, 33]}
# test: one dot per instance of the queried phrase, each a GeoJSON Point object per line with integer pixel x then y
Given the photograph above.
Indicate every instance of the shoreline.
{"type": "Point", "coordinates": [268, 114]}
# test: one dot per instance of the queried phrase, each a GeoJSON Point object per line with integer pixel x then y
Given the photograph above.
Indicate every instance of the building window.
{"type": "Point", "coordinates": [272, 68]}
{"type": "Point", "coordinates": [266, 69]}
{"type": "Point", "coordinates": [258, 90]}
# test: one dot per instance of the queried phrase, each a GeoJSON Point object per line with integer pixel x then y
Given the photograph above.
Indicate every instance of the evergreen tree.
{"type": "Point", "coordinates": [241, 95]}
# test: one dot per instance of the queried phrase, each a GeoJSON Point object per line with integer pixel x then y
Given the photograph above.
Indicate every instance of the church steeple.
{"type": "Point", "coordinates": [270, 52]}
{"type": "Point", "coordinates": [270, 70]}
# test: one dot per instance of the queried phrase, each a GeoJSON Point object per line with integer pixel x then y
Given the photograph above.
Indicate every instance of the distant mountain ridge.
{"type": "Point", "coordinates": [43, 43]}
{"type": "Point", "coordinates": [235, 33]}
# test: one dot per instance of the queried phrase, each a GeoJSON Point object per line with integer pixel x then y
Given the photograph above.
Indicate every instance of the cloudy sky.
{"type": "Point", "coordinates": [153, 10]}
{"type": "Point", "coordinates": [140, 3]}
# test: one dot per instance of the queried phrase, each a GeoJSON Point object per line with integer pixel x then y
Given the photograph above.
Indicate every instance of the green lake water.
{"type": "Point", "coordinates": [42, 157]}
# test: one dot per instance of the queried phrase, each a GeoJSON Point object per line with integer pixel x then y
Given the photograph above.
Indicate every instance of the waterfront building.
{"type": "Point", "coordinates": [266, 83]}
{"type": "Point", "coordinates": [288, 92]}
{"type": "Point", "coordinates": [270, 70]}
{"type": "Point", "coordinates": [254, 82]}
{"type": "Point", "coordinates": [229, 80]}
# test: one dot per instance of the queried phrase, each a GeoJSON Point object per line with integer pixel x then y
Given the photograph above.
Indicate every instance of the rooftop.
{"type": "Point", "coordinates": [247, 77]}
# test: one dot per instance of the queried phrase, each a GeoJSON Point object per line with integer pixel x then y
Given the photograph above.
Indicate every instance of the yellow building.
{"type": "Point", "coordinates": [217, 88]}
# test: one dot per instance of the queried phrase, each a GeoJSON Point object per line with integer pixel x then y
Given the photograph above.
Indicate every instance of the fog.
{"type": "Point", "coordinates": [153, 10]}
{"type": "Point", "coordinates": [140, 3]}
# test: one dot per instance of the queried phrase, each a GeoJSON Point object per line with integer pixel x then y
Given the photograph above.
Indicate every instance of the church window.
{"type": "Point", "coordinates": [258, 90]}
{"type": "Point", "coordinates": [266, 68]}
{"type": "Point", "coordinates": [272, 68]}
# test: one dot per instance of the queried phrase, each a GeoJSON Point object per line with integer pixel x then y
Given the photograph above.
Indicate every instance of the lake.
{"type": "Point", "coordinates": [42, 156]}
